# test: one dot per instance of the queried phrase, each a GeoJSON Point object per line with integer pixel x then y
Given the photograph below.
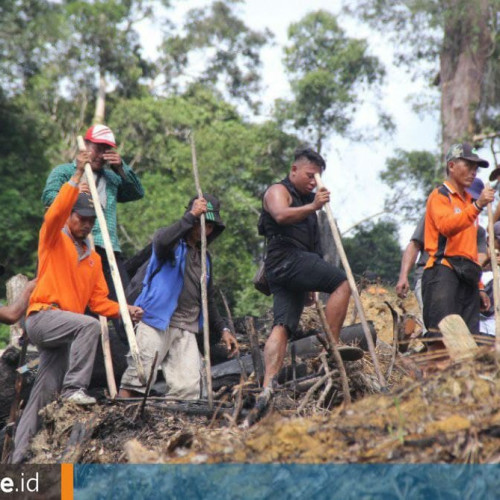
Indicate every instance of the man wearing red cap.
{"type": "Point", "coordinates": [118, 183]}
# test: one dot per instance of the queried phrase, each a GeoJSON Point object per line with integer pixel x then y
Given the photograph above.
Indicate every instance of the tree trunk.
{"type": "Point", "coordinates": [15, 286]}
{"type": "Point", "coordinates": [100, 105]}
{"type": "Point", "coordinates": [464, 56]}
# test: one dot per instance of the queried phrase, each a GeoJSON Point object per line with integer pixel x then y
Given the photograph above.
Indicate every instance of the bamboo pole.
{"type": "Point", "coordinates": [352, 284]}
{"type": "Point", "coordinates": [203, 278]}
{"type": "Point", "coordinates": [496, 276]}
{"type": "Point", "coordinates": [122, 301]}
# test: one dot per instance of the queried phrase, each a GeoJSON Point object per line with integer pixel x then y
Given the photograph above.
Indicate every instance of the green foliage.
{"type": "Point", "coordinates": [411, 175]}
{"type": "Point", "coordinates": [327, 71]}
{"type": "Point", "coordinates": [23, 168]}
{"type": "Point", "coordinates": [236, 160]}
{"type": "Point", "coordinates": [4, 336]}
{"type": "Point", "coordinates": [102, 41]}
{"type": "Point", "coordinates": [374, 248]}
{"type": "Point", "coordinates": [29, 34]}
{"type": "Point", "coordinates": [227, 49]}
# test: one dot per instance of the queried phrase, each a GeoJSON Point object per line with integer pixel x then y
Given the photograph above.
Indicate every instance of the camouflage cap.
{"type": "Point", "coordinates": [465, 151]}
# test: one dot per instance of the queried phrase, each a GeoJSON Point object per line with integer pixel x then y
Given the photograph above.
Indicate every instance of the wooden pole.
{"type": "Point", "coordinates": [106, 347]}
{"type": "Point", "coordinates": [335, 351]}
{"type": "Point", "coordinates": [352, 284]}
{"type": "Point", "coordinates": [203, 279]}
{"type": "Point", "coordinates": [122, 301]}
{"type": "Point", "coordinates": [496, 275]}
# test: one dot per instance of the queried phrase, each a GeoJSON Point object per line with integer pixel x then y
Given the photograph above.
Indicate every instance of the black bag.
{"type": "Point", "coordinates": [260, 280]}
{"type": "Point", "coordinates": [467, 271]}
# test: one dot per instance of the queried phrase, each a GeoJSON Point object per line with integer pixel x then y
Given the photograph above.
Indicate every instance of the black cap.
{"type": "Point", "coordinates": [465, 151]}
{"type": "Point", "coordinates": [84, 205]}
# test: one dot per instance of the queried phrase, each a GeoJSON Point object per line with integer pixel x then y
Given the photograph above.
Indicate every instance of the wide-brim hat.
{"type": "Point", "coordinates": [212, 214]}
{"type": "Point", "coordinates": [465, 151]}
{"type": "Point", "coordinates": [100, 134]}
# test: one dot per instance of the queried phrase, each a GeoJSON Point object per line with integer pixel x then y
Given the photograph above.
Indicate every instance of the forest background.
{"type": "Point", "coordinates": [154, 69]}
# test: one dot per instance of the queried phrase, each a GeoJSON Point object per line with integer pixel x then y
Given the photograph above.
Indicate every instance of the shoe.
{"type": "Point", "coordinates": [80, 397]}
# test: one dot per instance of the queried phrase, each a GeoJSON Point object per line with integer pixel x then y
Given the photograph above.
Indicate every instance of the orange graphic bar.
{"type": "Point", "coordinates": [66, 481]}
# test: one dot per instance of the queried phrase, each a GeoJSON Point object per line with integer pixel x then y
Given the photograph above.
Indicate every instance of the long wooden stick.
{"type": "Point", "coordinates": [203, 278]}
{"type": "Point", "coordinates": [120, 294]}
{"type": "Point", "coordinates": [496, 275]}
{"type": "Point", "coordinates": [106, 347]}
{"type": "Point", "coordinates": [352, 284]}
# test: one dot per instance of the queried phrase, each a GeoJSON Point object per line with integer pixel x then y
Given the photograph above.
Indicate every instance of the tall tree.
{"type": "Point", "coordinates": [457, 39]}
{"type": "Point", "coordinates": [411, 175]}
{"type": "Point", "coordinates": [104, 46]}
{"type": "Point", "coordinates": [327, 72]}
{"type": "Point", "coordinates": [225, 52]}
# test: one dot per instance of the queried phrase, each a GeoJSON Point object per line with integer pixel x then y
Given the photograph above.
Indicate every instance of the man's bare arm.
{"type": "Point", "coordinates": [407, 262]}
{"type": "Point", "coordinates": [277, 201]}
{"type": "Point", "coordinates": [12, 313]}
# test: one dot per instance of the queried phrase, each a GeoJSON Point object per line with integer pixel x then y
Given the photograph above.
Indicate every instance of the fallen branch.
{"type": "Point", "coordinates": [335, 351]}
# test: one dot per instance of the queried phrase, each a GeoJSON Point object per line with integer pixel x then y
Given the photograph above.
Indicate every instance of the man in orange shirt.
{"type": "Point", "coordinates": [451, 279]}
{"type": "Point", "coordinates": [70, 278]}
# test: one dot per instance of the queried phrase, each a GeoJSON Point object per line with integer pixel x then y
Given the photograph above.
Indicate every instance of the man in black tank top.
{"type": "Point", "coordinates": [294, 264]}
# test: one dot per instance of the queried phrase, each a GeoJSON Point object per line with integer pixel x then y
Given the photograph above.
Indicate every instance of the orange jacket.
{"type": "Point", "coordinates": [64, 281]}
{"type": "Point", "coordinates": [450, 226]}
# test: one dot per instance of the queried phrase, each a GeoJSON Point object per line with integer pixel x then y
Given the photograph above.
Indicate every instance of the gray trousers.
{"type": "Point", "coordinates": [67, 343]}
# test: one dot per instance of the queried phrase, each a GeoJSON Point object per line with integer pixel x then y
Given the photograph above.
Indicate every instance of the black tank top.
{"type": "Point", "coordinates": [302, 235]}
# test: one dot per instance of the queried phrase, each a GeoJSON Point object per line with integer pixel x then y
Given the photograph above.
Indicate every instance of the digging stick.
{"type": "Point", "coordinates": [142, 406]}
{"type": "Point", "coordinates": [203, 279]}
{"type": "Point", "coordinates": [352, 284]}
{"type": "Point", "coordinates": [496, 276]}
{"type": "Point", "coordinates": [122, 301]}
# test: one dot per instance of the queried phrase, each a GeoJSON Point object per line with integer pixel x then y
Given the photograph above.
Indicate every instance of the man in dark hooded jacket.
{"type": "Point", "coordinates": [171, 299]}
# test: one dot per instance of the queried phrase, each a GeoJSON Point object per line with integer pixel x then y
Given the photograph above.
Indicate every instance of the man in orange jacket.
{"type": "Point", "coordinates": [451, 279]}
{"type": "Point", "coordinates": [70, 279]}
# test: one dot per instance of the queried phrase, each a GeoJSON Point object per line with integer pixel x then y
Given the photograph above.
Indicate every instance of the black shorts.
{"type": "Point", "coordinates": [443, 293]}
{"type": "Point", "coordinates": [297, 274]}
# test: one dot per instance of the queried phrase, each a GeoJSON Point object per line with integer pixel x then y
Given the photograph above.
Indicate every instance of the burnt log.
{"type": "Point", "coordinates": [229, 372]}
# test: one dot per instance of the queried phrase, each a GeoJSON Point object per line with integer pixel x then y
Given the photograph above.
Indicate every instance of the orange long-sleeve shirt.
{"type": "Point", "coordinates": [65, 281]}
{"type": "Point", "coordinates": [450, 226]}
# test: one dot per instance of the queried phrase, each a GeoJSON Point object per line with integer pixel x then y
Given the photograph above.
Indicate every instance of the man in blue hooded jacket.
{"type": "Point", "coordinates": [171, 299]}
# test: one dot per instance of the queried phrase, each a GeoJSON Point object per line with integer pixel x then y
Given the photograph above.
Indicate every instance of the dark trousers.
{"type": "Point", "coordinates": [120, 264]}
{"type": "Point", "coordinates": [444, 293]}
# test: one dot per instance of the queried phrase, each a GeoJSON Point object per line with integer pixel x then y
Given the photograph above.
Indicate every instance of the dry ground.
{"type": "Point", "coordinates": [451, 416]}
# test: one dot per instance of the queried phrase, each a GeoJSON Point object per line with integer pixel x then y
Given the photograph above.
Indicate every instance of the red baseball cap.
{"type": "Point", "coordinates": [101, 135]}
